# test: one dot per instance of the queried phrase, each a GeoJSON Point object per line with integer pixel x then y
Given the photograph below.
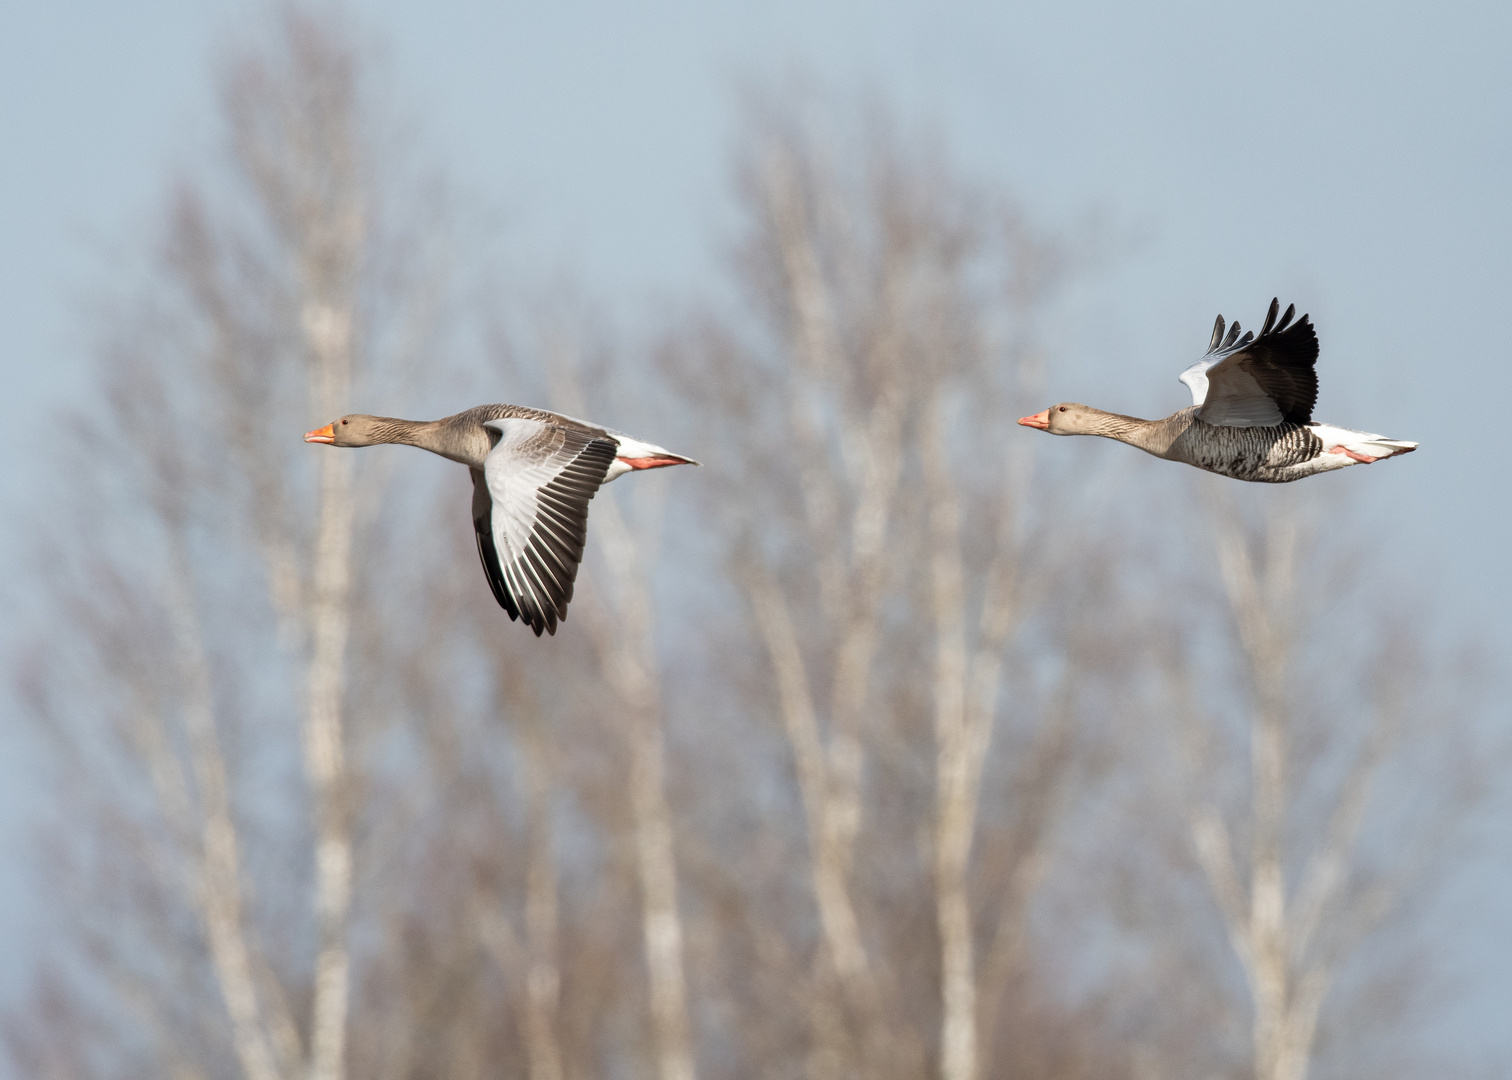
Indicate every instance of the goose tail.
{"type": "Point", "coordinates": [1392, 447]}
{"type": "Point", "coordinates": [1360, 446]}
{"type": "Point", "coordinates": [633, 454]}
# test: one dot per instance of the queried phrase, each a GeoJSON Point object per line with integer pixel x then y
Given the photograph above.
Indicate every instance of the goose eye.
{"type": "Point", "coordinates": [1062, 409]}
{"type": "Point", "coordinates": [344, 423]}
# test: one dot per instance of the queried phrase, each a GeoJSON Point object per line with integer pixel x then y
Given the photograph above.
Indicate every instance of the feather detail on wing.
{"type": "Point", "coordinates": [530, 513]}
{"type": "Point", "coordinates": [1257, 380]}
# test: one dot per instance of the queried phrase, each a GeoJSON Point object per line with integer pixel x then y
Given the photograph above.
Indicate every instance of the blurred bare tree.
{"type": "Point", "coordinates": [1358, 772]}
{"type": "Point", "coordinates": [820, 778]}
{"type": "Point", "coordinates": [295, 279]}
{"type": "Point", "coordinates": [876, 519]}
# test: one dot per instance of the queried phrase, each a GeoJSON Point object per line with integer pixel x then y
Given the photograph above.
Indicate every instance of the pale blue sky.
{"type": "Point", "coordinates": [1352, 157]}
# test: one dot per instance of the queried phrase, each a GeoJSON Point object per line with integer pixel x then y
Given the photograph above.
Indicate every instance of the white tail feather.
{"type": "Point", "coordinates": [635, 454]}
{"type": "Point", "coordinates": [1386, 447]}
{"type": "Point", "coordinates": [1364, 443]}
{"type": "Point", "coordinates": [634, 448]}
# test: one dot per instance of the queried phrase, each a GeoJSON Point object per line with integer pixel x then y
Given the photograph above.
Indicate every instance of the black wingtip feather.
{"type": "Point", "coordinates": [1281, 358]}
{"type": "Point", "coordinates": [1270, 316]}
{"type": "Point", "coordinates": [491, 569]}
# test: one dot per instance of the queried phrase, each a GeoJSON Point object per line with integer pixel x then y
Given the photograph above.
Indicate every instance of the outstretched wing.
{"type": "Point", "coordinates": [1257, 380]}
{"type": "Point", "coordinates": [530, 513]}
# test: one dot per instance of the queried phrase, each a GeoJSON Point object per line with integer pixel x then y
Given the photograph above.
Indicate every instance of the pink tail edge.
{"type": "Point", "coordinates": [656, 462]}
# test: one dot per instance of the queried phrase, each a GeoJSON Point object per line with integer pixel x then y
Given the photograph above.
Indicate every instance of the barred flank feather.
{"type": "Point", "coordinates": [1261, 454]}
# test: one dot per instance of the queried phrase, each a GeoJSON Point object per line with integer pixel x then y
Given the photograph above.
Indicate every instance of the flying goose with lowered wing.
{"type": "Point", "coordinates": [1251, 412]}
{"type": "Point", "coordinates": [533, 474]}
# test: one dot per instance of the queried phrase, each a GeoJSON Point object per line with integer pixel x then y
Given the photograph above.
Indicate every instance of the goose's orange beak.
{"type": "Point", "coordinates": [1039, 420]}
{"type": "Point", "coordinates": [325, 434]}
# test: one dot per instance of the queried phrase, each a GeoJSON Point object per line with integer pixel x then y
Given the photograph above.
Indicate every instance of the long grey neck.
{"type": "Point", "coordinates": [466, 443]}
{"type": "Point", "coordinates": [1152, 436]}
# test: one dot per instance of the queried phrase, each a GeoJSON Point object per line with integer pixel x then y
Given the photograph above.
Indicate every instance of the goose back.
{"type": "Point", "coordinates": [464, 436]}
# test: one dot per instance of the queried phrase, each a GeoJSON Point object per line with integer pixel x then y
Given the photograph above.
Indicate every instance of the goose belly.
{"type": "Point", "coordinates": [1264, 455]}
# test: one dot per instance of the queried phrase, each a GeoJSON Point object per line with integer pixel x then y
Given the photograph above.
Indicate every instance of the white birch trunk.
{"type": "Point", "coordinates": [328, 329]}
{"type": "Point", "coordinates": [830, 831]}
{"type": "Point", "coordinates": [537, 960]}
{"type": "Point", "coordinates": [625, 641]}
{"type": "Point", "coordinates": [218, 880]}
{"type": "Point", "coordinates": [957, 763]}
{"type": "Point", "coordinates": [851, 566]}
{"type": "Point", "coordinates": [542, 976]}
{"type": "Point", "coordinates": [299, 141]}
{"type": "Point", "coordinates": [965, 699]}
{"type": "Point", "coordinates": [1277, 932]}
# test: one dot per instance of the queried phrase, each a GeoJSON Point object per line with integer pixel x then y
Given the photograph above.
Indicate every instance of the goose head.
{"type": "Point", "coordinates": [1067, 418]}
{"type": "Point", "coordinates": [355, 429]}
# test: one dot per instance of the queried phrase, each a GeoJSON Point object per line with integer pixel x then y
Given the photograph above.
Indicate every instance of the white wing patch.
{"type": "Point", "coordinates": [540, 478]}
{"type": "Point", "coordinates": [1196, 379]}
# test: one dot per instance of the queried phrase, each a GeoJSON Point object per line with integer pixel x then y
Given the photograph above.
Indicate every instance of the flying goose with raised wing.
{"type": "Point", "coordinates": [533, 474]}
{"type": "Point", "coordinates": [1251, 412]}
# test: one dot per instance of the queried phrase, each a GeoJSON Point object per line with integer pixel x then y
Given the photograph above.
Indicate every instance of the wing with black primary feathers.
{"type": "Point", "coordinates": [1257, 380]}
{"type": "Point", "coordinates": [530, 514]}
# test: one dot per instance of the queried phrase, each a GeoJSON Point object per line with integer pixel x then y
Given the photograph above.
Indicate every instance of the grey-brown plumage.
{"type": "Point", "coordinates": [534, 473]}
{"type": "Point", "coordinates": [1272, 455]}
{"type": "Point", "coordinates": [1251, 412]}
